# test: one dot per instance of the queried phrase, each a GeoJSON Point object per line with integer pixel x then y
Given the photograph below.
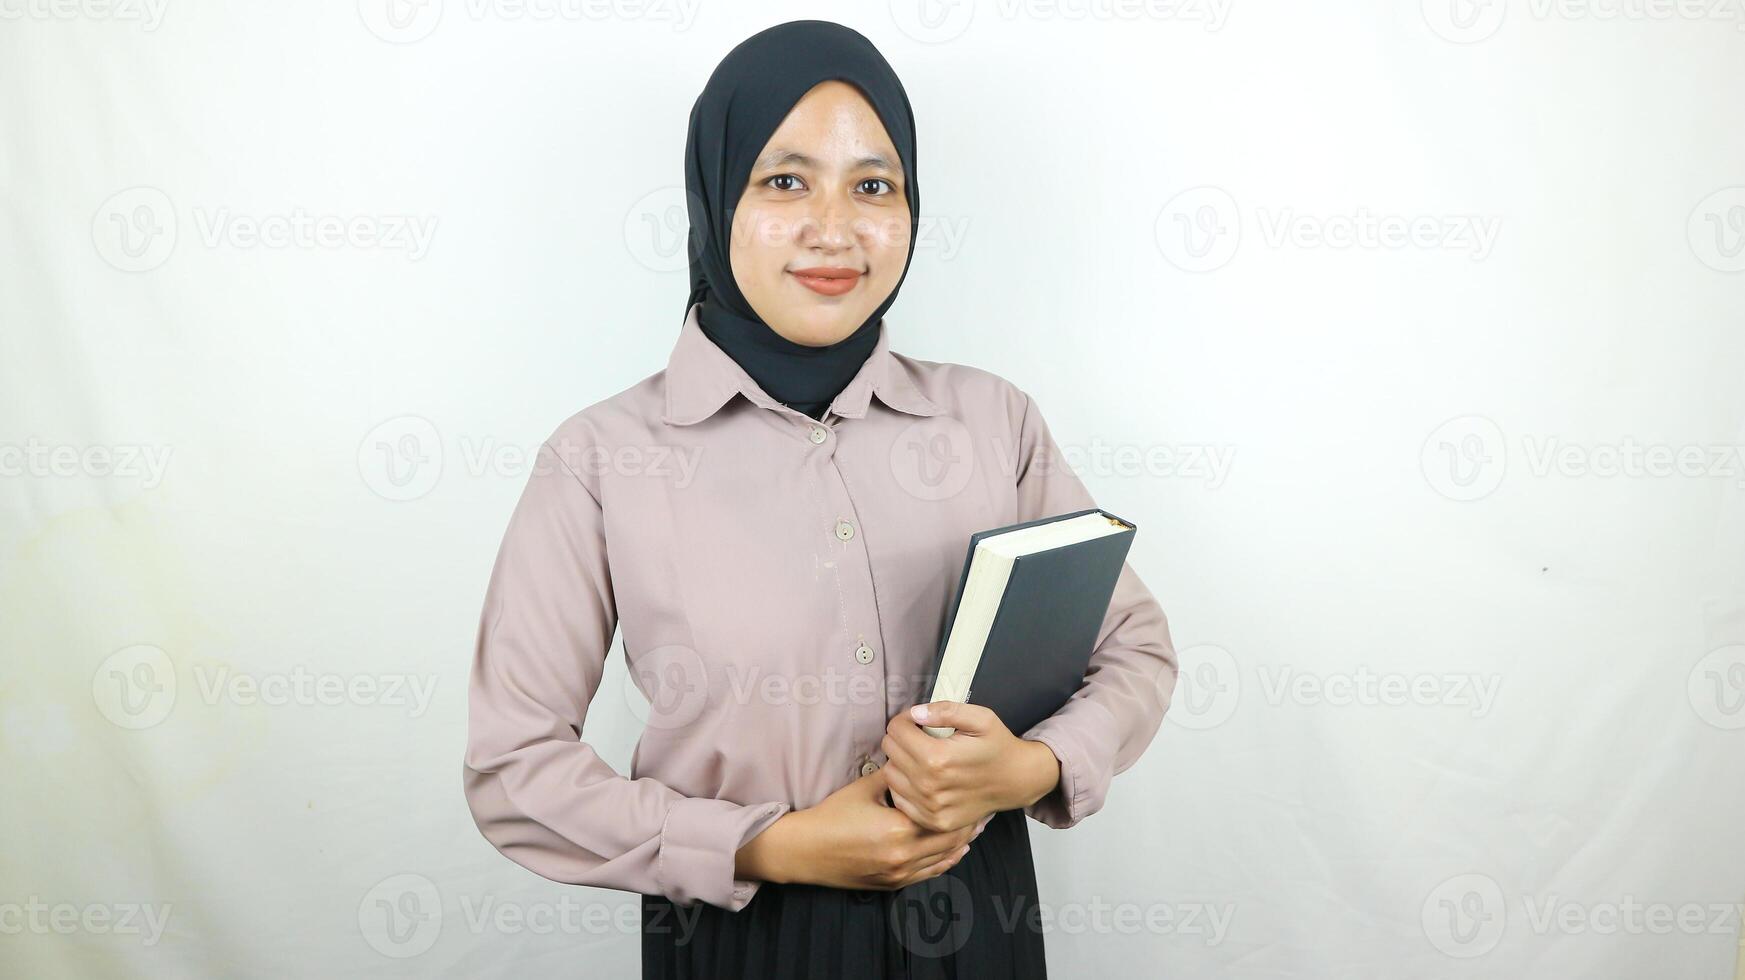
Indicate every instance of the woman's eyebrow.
{"type": "Point", "coordinates": [786, 158]}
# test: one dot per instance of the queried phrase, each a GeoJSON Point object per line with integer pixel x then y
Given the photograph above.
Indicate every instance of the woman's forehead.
{"type": "Point", "coordinates": [778, 155]}
{"type": "Point", "coordinates": [829, 125]}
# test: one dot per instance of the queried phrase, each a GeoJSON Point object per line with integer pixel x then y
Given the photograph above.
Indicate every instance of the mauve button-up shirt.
{"type": "Point", "coordinates": [781, 584]}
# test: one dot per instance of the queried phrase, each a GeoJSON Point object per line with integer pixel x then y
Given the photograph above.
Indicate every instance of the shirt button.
{"type": "Point", "coordinates": [868, 767]}
{"type": "Point", "coordinates": [818, 434]}
{"type": "Point", "coordinates": [844, 530]}
{"type": "Point", "coordinates": [864, 654]}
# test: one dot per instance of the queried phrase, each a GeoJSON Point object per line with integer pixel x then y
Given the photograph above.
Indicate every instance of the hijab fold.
{"type": "Point", "coordinates": [749, 94]}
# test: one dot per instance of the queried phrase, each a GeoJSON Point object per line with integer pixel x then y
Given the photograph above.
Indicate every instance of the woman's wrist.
{"type": "Point", "coordinates": [769, 855]}
{"type": "Point", "coordinates": [1037, 774]}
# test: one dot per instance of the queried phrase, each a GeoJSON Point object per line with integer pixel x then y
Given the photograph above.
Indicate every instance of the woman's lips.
{"type": "Point", "coordinates": [830, 281]}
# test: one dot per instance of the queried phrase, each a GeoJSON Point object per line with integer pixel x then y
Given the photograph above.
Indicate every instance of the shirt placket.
{"type": "Point", "coordinates": [855, 650]}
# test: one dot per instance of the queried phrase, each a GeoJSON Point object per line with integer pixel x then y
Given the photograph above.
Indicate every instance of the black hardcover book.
{"type": "Point", "coordinates": [1024, 621]}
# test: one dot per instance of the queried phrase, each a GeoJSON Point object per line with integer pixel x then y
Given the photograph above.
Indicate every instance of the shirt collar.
{"type": "Point", "coordinates": [701, 377]}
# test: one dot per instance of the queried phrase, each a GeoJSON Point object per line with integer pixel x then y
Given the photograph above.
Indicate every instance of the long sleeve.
{"type": "Point", "coordinates": [540, 794]}
{"type": "Point", "coordinates": [1101, 731]}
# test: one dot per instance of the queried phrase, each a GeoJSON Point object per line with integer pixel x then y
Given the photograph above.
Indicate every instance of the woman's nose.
{"type": "Point", "coordinates": [831, 223]}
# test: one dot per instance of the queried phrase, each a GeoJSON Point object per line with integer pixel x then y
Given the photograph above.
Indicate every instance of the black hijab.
{"type": "Point", "coordinates": [746, 98]}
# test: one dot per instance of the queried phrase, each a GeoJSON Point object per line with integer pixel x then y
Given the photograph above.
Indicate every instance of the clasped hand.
{"type": "Point", "coordinates": [946, 783]}
{"type": "Point", "coordinates": [944, 790]}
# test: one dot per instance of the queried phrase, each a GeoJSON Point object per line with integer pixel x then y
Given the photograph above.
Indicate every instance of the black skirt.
{"type": "Point", "coordinates": [979, 919]}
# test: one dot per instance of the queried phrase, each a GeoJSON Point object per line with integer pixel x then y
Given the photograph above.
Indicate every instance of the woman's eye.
{"type": "Point", "coordinates": [876, 186]}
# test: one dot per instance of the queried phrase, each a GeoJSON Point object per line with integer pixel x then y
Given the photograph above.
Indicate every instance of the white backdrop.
{"type": "Point", "coordinates": [1409, 334]}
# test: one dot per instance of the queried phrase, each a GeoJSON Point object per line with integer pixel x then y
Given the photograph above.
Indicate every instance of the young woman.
{"type": "Point", "coordinates": [777, 521]}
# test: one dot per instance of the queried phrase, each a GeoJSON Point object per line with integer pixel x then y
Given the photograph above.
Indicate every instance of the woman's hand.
{"type": "Point", "coordinates": [944, 784]}
{"type": "Point", "coordinates": [852, 839]}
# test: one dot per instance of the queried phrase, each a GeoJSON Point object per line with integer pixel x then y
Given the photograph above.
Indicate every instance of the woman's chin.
{"type": "Point", "coordinates": [816, 325]}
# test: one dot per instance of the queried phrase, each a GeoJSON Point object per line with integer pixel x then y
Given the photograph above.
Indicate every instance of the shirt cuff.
{"type": "Point", "coordinates": [699, 840]}
{"type": "Point", "coordinates": [1084, 736]}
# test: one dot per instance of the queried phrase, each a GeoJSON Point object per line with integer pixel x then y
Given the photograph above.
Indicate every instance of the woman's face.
{"type": "Point", "coordinates": [821, 233]}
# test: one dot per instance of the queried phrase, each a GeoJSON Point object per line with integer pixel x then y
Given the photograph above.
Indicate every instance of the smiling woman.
{"type": "Point", "coordinates": [786, 815]}
{"type": "Point", "coordinates": [803, 213]}
{"type": "Point", "coordinates": [841, 206]}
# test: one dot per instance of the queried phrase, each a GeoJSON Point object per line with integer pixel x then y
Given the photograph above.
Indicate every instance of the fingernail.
{"type": "Point", "coordinates": [919, 713]}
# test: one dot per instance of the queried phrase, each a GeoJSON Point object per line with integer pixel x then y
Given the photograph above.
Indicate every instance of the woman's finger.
{"type": "Point", "coordinates": [906, 805]}
{"type": "Point", "coordinates": [937, 868]}
{"type": "Point", "coordinates": [902, 785]}
{"type": "Point", "coordinates": [922, 809]}
{"type": "Point", "coordinates": [941, 847]}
